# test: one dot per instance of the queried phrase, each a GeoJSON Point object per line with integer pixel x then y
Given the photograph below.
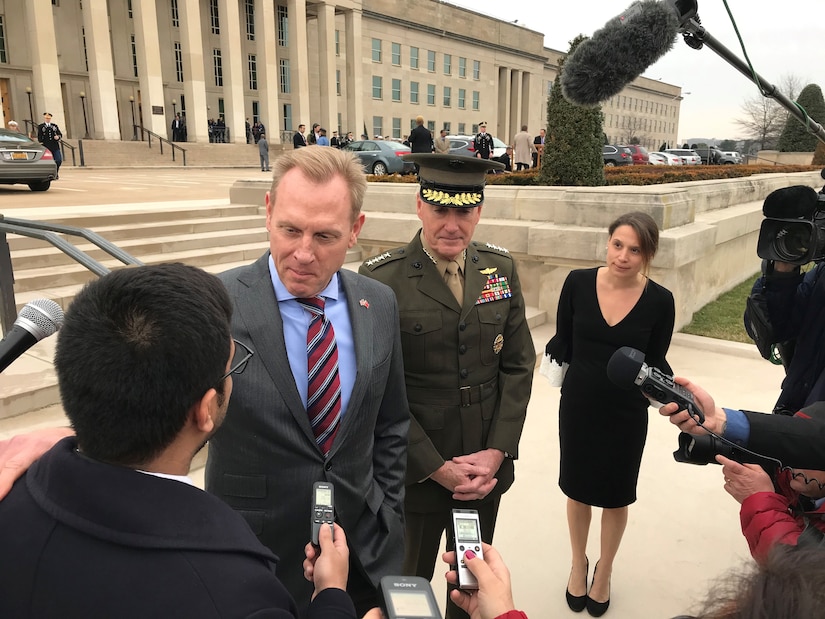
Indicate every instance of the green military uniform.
{"type": "Point", "coordinates": [468, 369]}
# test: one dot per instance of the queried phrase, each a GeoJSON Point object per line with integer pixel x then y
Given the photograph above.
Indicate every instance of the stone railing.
{"type": "Point", "coordinates": [707, 245]}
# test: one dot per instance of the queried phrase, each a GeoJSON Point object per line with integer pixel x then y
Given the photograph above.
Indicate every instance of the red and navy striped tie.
{"type": "Point", "coordinates": [323, 384]}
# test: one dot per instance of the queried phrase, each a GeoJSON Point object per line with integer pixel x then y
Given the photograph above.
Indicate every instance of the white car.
{"type": "Point", "coordinates": [688, 156]}
{"type": "Point", "coordinates": [659, 158]}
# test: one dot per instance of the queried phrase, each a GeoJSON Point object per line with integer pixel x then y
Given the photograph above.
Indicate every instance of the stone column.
{"type": "Point", "coordinates": [194, 78]}
{"type": "Point", "coordinates": [233, 61]}
{"type": "Point", "coordinates": [150, 74]}
{"type": "Point", "coordinates": [268, 86]}
{"type": "Point", "coordinates": [45, 68]}
{"type": "Point", "coordinates": [299, 61]}
{"type": "Point", "coordinates": [102, 96]}
{"type": "Point", "coordinates": [515, 122]}
{"type": "Point", "coordinates": [503, 115]}
{"type": "Point", "coordinates": [355, 74]}
{"type": "Point", "coordinates": [326, 54]}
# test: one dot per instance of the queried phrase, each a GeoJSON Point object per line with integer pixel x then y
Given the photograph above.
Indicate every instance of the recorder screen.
{"type": "Point", "coordinates": [412, 604]}
{"type": "Point", "coordinates": [323, 496]}
{"type": "Point", "coordinates": [466, 530]}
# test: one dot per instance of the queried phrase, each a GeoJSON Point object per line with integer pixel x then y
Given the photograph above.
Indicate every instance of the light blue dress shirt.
{"type": "Point", "coordinates": [296, 321]}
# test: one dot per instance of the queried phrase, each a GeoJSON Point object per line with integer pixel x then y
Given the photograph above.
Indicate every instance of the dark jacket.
{"type": "Point", "coordinates": [86, 539]}
{"type": "Point", "coordinates": [298, 140]}
{"type": "Point", "coordinates": [481, 351]}
{"type": "Point", "coordinates": [796, 307]}
{"type": "Point", "coordinates": [421, 140]}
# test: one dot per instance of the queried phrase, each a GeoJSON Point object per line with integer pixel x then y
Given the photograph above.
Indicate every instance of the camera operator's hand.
{"type": "Point", "coordinates": [784, 267]}
{"type": "Point", "coordinates": [715, 417]}
{"type": "Point", "coordinates": [743, 480]}
{"type": "Point", "coordinates": [494, 596]}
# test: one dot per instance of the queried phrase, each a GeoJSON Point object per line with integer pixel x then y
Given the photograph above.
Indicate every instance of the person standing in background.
{"type": "Point", "coordinates": [441, 143]}
{"type": "Point", "coordinates": [49, 135]}
{"type": "Point", "coordinates": [298, 138]}
{"type": "Point", "coordinates": [263, 151]}
{"type": "Point", "coordinates": [420, 138]}
{"type": "Point", "coordinates": [600, 310]}
{"type": "Point", "coordinates": [524, 149]}
{"type": "Point", "coordinates": [538, 142]}
{"type": "Point", "coordinates": [483, 142]}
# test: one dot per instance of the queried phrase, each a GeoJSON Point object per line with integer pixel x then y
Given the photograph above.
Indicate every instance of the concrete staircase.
{"type": "Point", "coordinates": [215, 236]}
{"type": "Point", "coordinates": [136, 154]}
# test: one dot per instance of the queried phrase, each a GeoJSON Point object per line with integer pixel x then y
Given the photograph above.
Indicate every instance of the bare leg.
{"type": "Point", "coordinates": [614, 522]}
{"type": "Point", "coordinates": [578, 522]}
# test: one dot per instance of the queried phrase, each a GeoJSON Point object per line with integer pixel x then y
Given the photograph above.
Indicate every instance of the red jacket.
{"type": "Point", "coordinates": [770, 518]}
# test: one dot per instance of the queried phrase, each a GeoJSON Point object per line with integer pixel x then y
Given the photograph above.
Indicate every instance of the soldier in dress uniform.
{"type": "Point", "coordinates": [468, 358]}
{"type": "Point", "coordinates": [49, 135]}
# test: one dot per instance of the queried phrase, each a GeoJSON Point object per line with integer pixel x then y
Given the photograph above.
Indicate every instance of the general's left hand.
{"type": "Point", "coordinates": [487, 462]}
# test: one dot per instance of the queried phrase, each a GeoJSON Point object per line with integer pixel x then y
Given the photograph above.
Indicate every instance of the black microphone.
{"type": "Point", "coordinates": [627, 368]}
{"type": "Point", "coordinates": [794, 202]}
{"type": "Point", "coordinates": [618, 53]}
{"type": "Point", "coordinates": [38, 319]}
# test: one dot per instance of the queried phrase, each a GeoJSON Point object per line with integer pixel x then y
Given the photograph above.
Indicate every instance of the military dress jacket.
{"type": "Point", "coordinates": [468, 369]}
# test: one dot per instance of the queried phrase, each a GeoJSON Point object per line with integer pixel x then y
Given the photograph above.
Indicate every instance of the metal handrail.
{"type": "Point", "coordinates": [64, 145]}
{"type": "Point", "coordinates": [48, 232]}
{"type": "Point", "coordinates": [161, 140]}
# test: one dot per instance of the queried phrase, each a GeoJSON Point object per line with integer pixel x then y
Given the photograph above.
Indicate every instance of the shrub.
{"type": "Point", "coordinates": [795, 137]}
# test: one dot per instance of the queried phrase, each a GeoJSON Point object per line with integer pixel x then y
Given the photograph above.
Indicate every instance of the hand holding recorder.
{"type": "Point", "coordinates": [494, 597]}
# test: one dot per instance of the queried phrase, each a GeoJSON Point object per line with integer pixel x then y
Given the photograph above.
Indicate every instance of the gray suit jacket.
{"type": "Point", "coordinates": [264, 460]}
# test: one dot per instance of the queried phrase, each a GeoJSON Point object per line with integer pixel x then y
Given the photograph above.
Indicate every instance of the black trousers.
{"type": "Point", "coordinates": [423, 541]}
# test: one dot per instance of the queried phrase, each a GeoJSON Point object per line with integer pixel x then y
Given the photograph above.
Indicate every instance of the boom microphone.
{"type": "Point", "coordinates": [618, 53]}
{"type": "Point", "coordinates": [38, 319]}
{"type": "Point", "coordinates": [627, 368]}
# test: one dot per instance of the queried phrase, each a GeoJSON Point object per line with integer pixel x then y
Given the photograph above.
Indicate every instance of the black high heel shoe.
{"type": "Point", "coordinates": [597, 609]}
{"type": "Point", "coordinates": [578, 602]}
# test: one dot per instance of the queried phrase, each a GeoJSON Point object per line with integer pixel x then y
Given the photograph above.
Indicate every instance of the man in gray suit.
{"type": "Point", "coordinates": [265, 459]}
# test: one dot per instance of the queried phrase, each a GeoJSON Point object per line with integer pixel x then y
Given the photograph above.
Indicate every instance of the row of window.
{"type": "Point", "coordinates": [378, 127]}
{"type": "Point", "coordinates": [643, 123]}
{"type": "Point", "coordinates": [642, 105]}
{"type": "Point", "coordinates": [446, 93]}
{"type": "Point", "coordinates": [447, 59]}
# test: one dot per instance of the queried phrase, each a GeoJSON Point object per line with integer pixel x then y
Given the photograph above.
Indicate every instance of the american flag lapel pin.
{"type": "Point", "coordinates": [364, 303]}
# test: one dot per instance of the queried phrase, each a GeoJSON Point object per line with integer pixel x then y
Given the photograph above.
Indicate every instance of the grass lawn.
{"type": "Point", "coordinates": [722, 318]}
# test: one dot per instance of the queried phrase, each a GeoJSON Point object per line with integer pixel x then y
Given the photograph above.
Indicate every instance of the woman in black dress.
{"type": "Point", "coordinates": [602, 427]}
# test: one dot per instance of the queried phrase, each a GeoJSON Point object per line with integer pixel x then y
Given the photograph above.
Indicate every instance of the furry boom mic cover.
{"type": "Point", "coordinates": [618, 53]}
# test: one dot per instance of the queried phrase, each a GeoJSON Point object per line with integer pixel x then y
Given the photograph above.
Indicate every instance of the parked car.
{"type": "Point", "coordinates": [25, 162]}
{"type": "Point", "coordinates": [639, 154]}
{"type": "Point", "coordinates": [709, 152]}
{"type": "Point", "coordinates": [689, 157]}
{"type": "Point", "coordinates": [659, 158]}
{"type": "Point", "coordinates": [463, 145]}
{"type": "Point", "coordinates": [381, 157]}
{"type": "Point", "coordinates": [616, 155]}
{"type": "Point", "coordinates": [731, 157]}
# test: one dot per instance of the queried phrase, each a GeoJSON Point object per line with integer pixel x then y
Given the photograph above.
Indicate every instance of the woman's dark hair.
{"type": "Point", "coordinates": [645, 228]}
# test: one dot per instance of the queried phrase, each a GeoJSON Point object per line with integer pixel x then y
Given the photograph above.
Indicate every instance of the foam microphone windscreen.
{"type": "Point", "coordinates": [790, 203]}
{"type": "Point", "coordinates": [618, 53]}
{"type": "Point", "coordinates": [624, 366]}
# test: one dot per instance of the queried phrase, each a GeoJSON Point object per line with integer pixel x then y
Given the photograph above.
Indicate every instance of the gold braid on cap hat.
{"type": "Point", "coordinates": [446, 195]}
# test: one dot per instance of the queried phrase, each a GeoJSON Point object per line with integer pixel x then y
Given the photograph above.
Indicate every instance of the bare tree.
{"type": "Point", "coordinates": [762, 120]}
{"type": "Point", "coordinates": [633, 131]}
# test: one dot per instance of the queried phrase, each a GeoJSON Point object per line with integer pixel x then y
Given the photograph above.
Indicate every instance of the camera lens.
{"type": "Point", "coordinates": [792, 242]}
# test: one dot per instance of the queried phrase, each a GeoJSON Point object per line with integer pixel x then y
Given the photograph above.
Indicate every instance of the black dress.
{"type": "Point", "coordinates": [602, 427]}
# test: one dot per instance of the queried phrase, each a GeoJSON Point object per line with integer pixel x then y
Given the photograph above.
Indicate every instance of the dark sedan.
{"type": "Point", "coordinates": [616, 155]}
{"type": "Point", "coordinates": [25, 162]}
{"type": "Point", "coordinates": [382, 157]}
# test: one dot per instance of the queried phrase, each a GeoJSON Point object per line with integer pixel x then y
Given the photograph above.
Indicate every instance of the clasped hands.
{"type": "Point", "coordinates": [472, 476]}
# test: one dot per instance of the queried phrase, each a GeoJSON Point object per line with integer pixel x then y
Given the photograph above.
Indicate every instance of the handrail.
{"type": "Point", "coordinates": [161, 141]}
{"type": "Point", "coordinates": [48, 232]}
{"type": "Point", "coordinates": [63, 145]}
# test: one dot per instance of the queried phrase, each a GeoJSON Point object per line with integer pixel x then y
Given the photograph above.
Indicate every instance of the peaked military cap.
{"type": "Point", "coordinates": [452, 180]}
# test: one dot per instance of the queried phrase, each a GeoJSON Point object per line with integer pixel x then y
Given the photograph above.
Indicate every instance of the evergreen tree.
{"type": "Point", "coordinates": [819, 154]}
{"type": "Point", "coordinates": [573, 144]}
{"type": "Point", "coordinates": [795, 137]}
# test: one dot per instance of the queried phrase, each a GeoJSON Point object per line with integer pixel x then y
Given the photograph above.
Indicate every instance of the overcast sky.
{"type": "Point", "coordinates": [780, 38]}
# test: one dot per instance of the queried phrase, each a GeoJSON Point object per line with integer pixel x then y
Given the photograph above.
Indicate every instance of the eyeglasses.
{"type": "Point", "coordinates": [242, 356]}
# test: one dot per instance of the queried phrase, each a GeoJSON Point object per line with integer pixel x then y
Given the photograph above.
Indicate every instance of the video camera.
{"type": "Point", "coordinates": [794, 227]}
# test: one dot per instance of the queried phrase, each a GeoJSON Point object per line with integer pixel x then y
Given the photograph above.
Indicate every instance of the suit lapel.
{"type": "Point", "coordinates": [258, 309]}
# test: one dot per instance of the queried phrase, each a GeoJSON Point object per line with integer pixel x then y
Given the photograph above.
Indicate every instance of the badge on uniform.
{"type": "Point", "coordinates": [498, 343]}
{"type": "Point", "coordinates": [496, 287]}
